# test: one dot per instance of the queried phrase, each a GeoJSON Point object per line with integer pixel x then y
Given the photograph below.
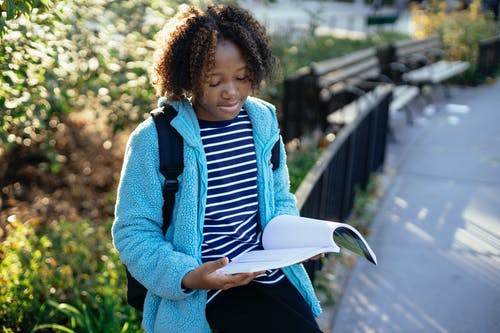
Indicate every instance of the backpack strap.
{"type": "Point", "coordinates": [171, 147]}
{"type": "Point", "coordinates": [171, 165]}
{"type": "Point", "coordinates": [275, 155]}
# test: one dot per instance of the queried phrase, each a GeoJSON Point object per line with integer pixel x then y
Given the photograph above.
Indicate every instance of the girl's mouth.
{"type": "Point", "coordinates": [230, 107]}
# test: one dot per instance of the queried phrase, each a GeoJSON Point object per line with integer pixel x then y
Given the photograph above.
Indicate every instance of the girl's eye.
{"type": "Point", "coordinates": [213, 84]}
{"type": "Point", "coordinates": [242, 78]}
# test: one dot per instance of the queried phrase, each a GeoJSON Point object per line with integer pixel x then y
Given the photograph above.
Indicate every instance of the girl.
{"type": "Point", "coordinates": [208, 66]}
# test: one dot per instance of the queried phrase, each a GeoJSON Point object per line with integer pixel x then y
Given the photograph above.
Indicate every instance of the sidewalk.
{"type": "Point", "coordinates": [437, 230]}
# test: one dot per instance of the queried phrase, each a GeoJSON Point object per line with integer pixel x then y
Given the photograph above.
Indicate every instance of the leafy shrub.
{"type": "Point", "coordinates": [68, 263]}
{"type": "Point", "coordinates": [31, 98]}
{"type": "Point", "coordinates": [16, 8]}
{"type": "Point", "coordinates": [299, 163]}
{"type": "Point", "coordinates": [459, 30]}
{"type": "Point", "coordinates": [77, 55]}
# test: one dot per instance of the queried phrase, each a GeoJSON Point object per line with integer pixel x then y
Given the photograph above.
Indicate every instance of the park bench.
{"type": "Point", "coordinates": [343, 80]}
{"type": "Point", "coordinates": [422, 63]}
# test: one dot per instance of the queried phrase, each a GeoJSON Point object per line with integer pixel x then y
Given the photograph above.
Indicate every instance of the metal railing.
{"type": "Point", "coordinates": [328, 190]}
{"type": "Point", "coordinates": [299, 115]}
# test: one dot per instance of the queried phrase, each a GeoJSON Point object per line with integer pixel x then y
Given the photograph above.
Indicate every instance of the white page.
{"type": "Point", "coordinates": [287, 231]}
{"type": "Point", "coordinates": [287, 240]}
{"type": "Point", "coordinates": [261, 260]}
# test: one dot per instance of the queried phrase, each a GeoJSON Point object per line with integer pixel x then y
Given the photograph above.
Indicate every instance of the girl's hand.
{"type": "Point", "coordinates": [206, 276]}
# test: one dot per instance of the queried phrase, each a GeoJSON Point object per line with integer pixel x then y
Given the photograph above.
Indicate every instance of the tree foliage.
{"type": "Point", "coordinates": [459, 30]}
{"type": "Point", "coordinates": [78, 55]}
{"type": "Point", "coordinates": [12, 9]}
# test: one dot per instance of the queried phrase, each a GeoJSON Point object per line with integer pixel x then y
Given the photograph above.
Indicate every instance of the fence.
{"type": "Point", "coordinates": [358, 150]}
{"type": "Point", "coordinates": [299, 106]}
{"type": "Point", "coordinates": [488, 60]}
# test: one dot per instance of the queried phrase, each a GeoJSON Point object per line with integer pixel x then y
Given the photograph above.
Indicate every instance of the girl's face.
{"type": "Point", "coordinates": [225, 87]}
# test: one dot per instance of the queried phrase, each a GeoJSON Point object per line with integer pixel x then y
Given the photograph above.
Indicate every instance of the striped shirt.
{"type": "Point", "coordinates": [231, 214]}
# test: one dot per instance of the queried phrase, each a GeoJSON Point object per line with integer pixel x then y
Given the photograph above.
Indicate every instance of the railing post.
{"type": "Point", "coordinates": [294, 115]}
{"type": "Point", "coordinates": [488, 58]}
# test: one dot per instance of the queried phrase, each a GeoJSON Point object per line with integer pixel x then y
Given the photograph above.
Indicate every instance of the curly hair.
{"type": "Point", "coordinates": [188, 51]}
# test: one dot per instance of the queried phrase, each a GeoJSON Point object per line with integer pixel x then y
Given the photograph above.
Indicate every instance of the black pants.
{"type": "Point", "coordinates": [260, 308]}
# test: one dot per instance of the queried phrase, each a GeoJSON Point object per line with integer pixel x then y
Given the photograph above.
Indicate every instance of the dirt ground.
{"type": "Point", "coordinates": [90, 158]}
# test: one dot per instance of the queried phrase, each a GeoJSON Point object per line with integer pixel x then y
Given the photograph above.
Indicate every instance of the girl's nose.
{"type": "Point", "coordinates": [230, 90]}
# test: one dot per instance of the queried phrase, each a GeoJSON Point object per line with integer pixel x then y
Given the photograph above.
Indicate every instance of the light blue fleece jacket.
{"type": "Point", "coordinates": [160, 262]}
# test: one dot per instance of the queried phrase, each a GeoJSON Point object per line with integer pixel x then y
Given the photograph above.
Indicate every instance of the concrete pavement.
{"type": "Point", "coordinates": [437, 232]}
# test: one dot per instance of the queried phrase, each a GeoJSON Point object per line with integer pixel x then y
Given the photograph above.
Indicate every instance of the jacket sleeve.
{"type": "Point", "coordinates": [136, 230]}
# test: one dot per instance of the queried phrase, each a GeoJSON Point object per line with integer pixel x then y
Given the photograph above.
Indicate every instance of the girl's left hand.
{"type": "Point", "coordinates": [206, 276]}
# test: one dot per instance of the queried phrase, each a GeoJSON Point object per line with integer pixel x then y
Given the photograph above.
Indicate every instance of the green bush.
{"type": "Point", "coordinates": [60, 274]}
{"type": "Point", "coordinates": [31, 98]}
{"type": "Point", "coordinates": [16, 8]}
{"type": "Point", "coordinates": [77, 55]}
{"type": "Point", "coordinates": [299, 163]}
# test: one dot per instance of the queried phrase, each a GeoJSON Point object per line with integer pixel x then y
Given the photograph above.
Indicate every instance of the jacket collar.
{"type": "Point", "coordinates": [263, 120]}
{"type": "Point", "coordinates": [187, 125]}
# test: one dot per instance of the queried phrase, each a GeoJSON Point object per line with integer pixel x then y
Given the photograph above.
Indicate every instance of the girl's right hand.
{"type": "Point", "coordinates": [206, 276]}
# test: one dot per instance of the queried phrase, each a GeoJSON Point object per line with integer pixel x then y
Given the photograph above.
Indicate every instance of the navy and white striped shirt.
{"type": "Point", "coordinates": [231, 213]}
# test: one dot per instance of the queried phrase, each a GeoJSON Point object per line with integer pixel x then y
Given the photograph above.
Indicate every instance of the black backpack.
{"type": "Point", "coordinates": [171, 148]}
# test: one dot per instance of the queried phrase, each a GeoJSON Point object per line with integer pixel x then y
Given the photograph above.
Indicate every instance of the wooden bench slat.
{"type": "Point", "coordinates": [323, 67]}
{"type": "Point", "coordinates": [402, 96]}
{"type": "Point", "coordinates": [363, 70]}
{"type": "Point", "coordinates": [356, 73]}
{"type": "Point", "coordinates": [411, 46]}
{"type": "Point", "coordinates": [436, 72]}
